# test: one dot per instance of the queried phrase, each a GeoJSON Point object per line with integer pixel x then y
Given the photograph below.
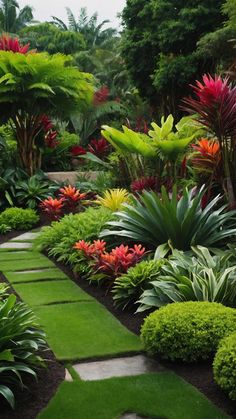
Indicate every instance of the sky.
{"type": "Point", "coordinates": [44, 9]}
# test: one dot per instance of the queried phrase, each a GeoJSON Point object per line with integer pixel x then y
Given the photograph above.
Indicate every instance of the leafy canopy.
{"type": "Point", "coordinates": [39, 83]}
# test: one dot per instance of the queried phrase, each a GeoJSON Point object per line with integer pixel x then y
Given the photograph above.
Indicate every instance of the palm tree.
{"type": "Point", "coordinates": [12, 18]}
{"type": "Point", "coordinates": [89, 27]}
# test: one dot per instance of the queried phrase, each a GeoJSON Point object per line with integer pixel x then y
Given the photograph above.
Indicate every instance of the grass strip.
{"type": "Point", "coordinates": [20, 265]}
{"type": "Point", "coordinates": [45, 274]}
{"type": "Point", "coordinates": [163, 396]}
{"type": "Point", "coordinates": [21, 255]}
{"type": "Point", "coordinates": [49, 292]}
{"type": "Point", "coordinates": [85, 330]}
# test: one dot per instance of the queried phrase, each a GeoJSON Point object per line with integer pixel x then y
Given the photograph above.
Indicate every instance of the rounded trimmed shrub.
{"type": "Point", "coordinates": [19, 218]}
{"type": "Point", "coordinates": [224, 365]}
{"type": "Point", "coordinates": [187, 331]}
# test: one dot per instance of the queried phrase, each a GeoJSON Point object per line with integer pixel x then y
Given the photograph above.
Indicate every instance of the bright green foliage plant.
{"type": "Point", "coordinates": [193, 277]}
{"type": "Point", "coordinates": [113, 199]}
{"type": "Point", "coordinates": [224, 365]}
{"type": "Point", "coordinates": [188, 331]}
{"type": "Point", "coordinates": [128, 287]}
{"type": "Point", "coordinates": [31, 191]}
{"type": "Point", "coordinates": [183, 222]}
{"type": "Point", "coordinates": [36, 84]}
{"type": "Point", "coordinates": [60, 237]}
{"type": "Point", "coordinates": [19, 218]}
{"type": "Point", "coordinates": [20, 341]}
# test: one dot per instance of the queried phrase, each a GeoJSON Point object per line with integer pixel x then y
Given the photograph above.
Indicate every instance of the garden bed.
{"type": "Point", "coordinates": [198, 374]}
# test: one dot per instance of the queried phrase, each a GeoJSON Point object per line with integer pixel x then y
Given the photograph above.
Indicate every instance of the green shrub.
{"type": "Point", "coordinates": [224, 365]}
{"type": "Point", "coordinates": [4, 228]}
{"type": "Point", "coordinates": [19, 219]}
{"type": "Point", "coordinates": [20, 341]}
{"type": "Point", "coordinates": [61, 236]}
{"type": "Point", "coordinates": [128, 287]}
{"type": "Point", "coordinates": [187, 331]}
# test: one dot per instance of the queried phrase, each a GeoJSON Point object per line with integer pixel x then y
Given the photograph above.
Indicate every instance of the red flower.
{"type": "Point", "coordinates": [99, 147]}
{"type": "Point", "coordinates": [50, 139]}
{"type": "Point", "coordinates": [52, 207]}
{"type": "Point", "coordinates": [208, 158]}
{"type": "Point", "coordinates": [12, 44]}
{"type": "Point", "coordinates": [77, 150]}
{"type": "Point", "coordinates": [71, 197]}
{"type": "Point", "coordinates": [46, 123]}
{"type": "Point", "coordinates": [145, 183]}
{"type": "Point", "coordinates": [101, 96]}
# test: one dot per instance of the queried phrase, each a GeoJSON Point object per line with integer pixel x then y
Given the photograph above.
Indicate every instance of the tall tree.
{"type": "Point", "coordinates": [93, 32]}
{"type": "Point", "coordinates": [160, 45]}
{"type": "Point", "coordinates": [12, 18]}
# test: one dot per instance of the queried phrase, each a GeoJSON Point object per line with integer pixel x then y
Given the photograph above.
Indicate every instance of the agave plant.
{"type": "Point", "coordinates": [182, 221]}
{"type": "Point", "coordinates": [197, 277]}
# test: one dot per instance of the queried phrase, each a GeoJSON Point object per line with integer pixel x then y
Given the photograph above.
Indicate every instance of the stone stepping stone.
{"type": "Point", "coordinates": [117, 367]}
{"type": "Point", "coordinates": [26, 236]}
{"type": "Point", "coordinates": [68, 377]}
{"type": "Point", "coordinates": [16, 245]}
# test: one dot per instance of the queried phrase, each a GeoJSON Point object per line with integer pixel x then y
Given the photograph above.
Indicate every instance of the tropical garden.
{"type": "Point", "coordinates": [118, 212]}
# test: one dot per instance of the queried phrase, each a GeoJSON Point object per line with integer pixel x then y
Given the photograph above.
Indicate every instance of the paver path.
{"type": "Point", "coordinates": [78, 328]}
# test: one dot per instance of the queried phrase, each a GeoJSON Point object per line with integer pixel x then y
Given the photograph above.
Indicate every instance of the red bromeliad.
{"type": "Point", "coordinates": [145, 183]}
{"type": "Point", "coordinates": [77, 150]}
{"type": "Point", "coordinates": [112, 264]}
{"type": "Point", "coordinates": [12, 44]}
{"type": "Point", "coordinates": [71, 197]}
{"type": "Point", "coordinates": [101, 96]}
{"type": "Point", "coordinates": [53, 207]}
{"type": "Point", "coordinates": [99, 147]}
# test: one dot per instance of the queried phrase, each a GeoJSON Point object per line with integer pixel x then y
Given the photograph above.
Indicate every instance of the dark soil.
{"type": "Point", "coordinates": [8, 236]}
{"type": "Point", "coordinates": [199, 375]}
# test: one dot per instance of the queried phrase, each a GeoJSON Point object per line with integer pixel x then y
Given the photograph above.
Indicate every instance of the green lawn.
{"type": "Point", "coordinates": [19, 265]}
{"type": "Point", "coordinates": [21, 255]}
{"type": "Point", "coordinates": [163, 396]}
{"type": "Point", "coordinates": [48, 292]}
{"type": "Point", "coordinates": [85, 330]}
{"type": "Point", "coordinates": [15, 277]}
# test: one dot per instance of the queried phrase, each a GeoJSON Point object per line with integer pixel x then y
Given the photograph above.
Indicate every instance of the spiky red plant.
{"type": "Point", "coordinates": [112, 264]}
{"type": "Point", "coordinates": [101, 96]}
{"type": "Point", "coordinates": [52, 207]}
{"type": "Point", "coordinates": [7, 43]}
{"type": "Point", "coordinates": [71, 197]}
{"type": "Point", "coordinates": [144, 184]}
{"type": "Point", "coordinates": [77, 150]}
{"type": "Point", "coordinates": [215, 105]}
{"type": "Point", "coordinates": [99, 147]}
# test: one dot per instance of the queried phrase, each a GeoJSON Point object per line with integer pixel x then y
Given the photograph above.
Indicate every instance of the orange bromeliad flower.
{"type": "Point", "coordinates": [52, 207]}
{"type": "Point", "coordinates": [207, 147]}
{"type": "Point", "coordinates": [71, 193]}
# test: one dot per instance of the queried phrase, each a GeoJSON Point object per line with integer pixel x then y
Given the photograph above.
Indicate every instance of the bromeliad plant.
{"type": "Point", "coordinates": [113, 199]}
{"type": "Point", "coordinates": [193, 277]}
{"type": "Point", "coordinates": [215, 105]}
{"type": "Point", "coordinates": [109, 265]}
{"type": "Point", "coordinates": [72, 198]}
{"type": "Point", "coordinates": [179, 220]}
{"type": "Point", "coordinates": [53, 208]}
{"type": "Point", "coordinates": [35, 84]}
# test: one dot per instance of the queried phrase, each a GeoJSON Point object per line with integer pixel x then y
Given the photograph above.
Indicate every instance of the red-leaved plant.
{"type": "Point", "coordinates": [215, 105]}
{"type": "Point", "coordinates": [101, 96]}
{"type": "Point", "coordinates": [53, 208]}
{"type": "Point", "coordinates": [145, 184]}
{"type": "Point", "coordinates": [7, 43]}
{"type": "Point", "coordinates": [71, 197]}
{"type": "Point", "coordinates": [109, 265]}
{"type": "Point", "coordinates": [99, 147]}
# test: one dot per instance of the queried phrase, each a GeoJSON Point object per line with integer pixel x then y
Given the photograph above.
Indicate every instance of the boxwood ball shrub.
{"type": "Point", "coordinates": [224, 365]}
{"type": "Point", "coordinates": [188, 331]}
{"type": "Point", "coordinates": [19, 218]}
